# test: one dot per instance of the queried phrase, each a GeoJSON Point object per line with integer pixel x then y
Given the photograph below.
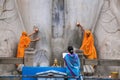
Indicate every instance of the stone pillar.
{"type": "Point", "coordinates": [29, 57]}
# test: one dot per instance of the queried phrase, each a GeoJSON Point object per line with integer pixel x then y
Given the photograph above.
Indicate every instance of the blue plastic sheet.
{"type": "Point", "coordinates": [31, 71]}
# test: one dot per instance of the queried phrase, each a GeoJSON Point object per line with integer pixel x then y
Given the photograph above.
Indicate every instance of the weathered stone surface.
{"type": "Point", "coordinates": [38, 13]}
{"type": "Point", "coordinates": [10, 30]}
{"type": "Point", "coordinates": [56, 20]}
{"type": "Point", "coordinates": [107, 34]}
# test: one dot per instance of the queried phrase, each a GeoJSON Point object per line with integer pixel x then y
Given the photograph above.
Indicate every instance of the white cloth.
{"type": "Point", "coordinates": [20, 66]}
{"type": "Point", "coordinates": [64, 54]}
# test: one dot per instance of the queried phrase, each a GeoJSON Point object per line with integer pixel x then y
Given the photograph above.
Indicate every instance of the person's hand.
{"type": "Point", "coordinates": [78, 24]}
{"type": "Point", "coordinates": [36, 29]}
{"type": "Point", "coordinates": [37, 39]}
{"type": "Point", "coordinates": [34, 32]}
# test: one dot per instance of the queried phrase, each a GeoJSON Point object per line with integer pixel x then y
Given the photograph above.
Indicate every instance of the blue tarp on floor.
{"type": "Point", "coordinates": [31, 71]}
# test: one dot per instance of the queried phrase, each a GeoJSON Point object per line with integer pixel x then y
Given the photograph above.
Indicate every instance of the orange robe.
{"type": "Point", "coordinates": [23, 43]}
{"type": "Point", "coordinates": [88, 45]}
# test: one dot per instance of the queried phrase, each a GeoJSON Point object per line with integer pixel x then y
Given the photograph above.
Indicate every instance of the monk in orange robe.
{"type": "Point", "coordinates": [88, 44]}
{"type": "Point", "coordinates": [24, 43]}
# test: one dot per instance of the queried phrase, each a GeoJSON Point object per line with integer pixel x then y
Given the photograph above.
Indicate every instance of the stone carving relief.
{"type": "Point", "coordinates": [7, 49]}
{"type": "Point", "coordinates": [107, 33]}
{"type": "Point", "coordinates": [40, 58]}
{"type": "Point", "coordinates": [10, 30]}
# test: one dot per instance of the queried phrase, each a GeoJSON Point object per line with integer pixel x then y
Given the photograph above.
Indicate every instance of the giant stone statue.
{"type": "Point", "coordinates": [56, 20]}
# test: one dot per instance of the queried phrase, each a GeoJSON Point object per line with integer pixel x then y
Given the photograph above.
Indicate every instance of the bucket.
{"type": "Point", "coordinates": [114, 75]}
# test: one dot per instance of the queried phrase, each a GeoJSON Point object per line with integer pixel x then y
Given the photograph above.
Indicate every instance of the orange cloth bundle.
{"type": "Point", "coordinates": [88, 45]}
{"type": "Point", "coordinates": [23, 43]}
